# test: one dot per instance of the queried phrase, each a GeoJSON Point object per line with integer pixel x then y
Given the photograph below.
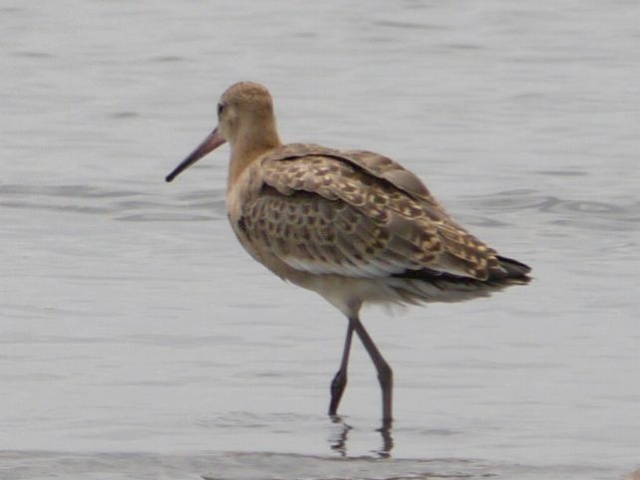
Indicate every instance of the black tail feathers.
{"type": "Point", "coordinates": [514, 269]}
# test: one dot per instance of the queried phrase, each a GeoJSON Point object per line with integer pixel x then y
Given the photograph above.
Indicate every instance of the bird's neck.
{"type": "Point", "coordinates": [249, 144]}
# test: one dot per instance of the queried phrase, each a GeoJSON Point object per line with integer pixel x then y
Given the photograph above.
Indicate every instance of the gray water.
{"type": "Point", "coordinates": [139, 341]}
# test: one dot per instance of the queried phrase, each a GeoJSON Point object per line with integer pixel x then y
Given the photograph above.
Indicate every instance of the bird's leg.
{"type": "Point", "coordinates": [340, 380]}
{"type": "Point", "coordinates": [385, 374]}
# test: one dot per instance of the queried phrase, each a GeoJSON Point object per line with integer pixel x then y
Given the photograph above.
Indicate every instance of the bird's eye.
{"type": "Point", "coordinates": [220, 109]}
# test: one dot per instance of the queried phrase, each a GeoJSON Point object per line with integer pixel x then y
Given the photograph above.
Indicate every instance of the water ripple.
{"type": "Point", "coordinates": [123, 205]}
{"type": "Point", "coordinates": [584, 214]}
{"type": "Point", "coordinates": [269, 466]}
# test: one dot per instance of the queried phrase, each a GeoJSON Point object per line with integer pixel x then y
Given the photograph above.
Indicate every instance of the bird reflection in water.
{"type": "Point", "coordinates": [339, 438]}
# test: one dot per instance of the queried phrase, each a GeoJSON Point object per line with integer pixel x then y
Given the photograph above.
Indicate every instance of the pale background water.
{"type": "Point", "coordinates": [138, 340]}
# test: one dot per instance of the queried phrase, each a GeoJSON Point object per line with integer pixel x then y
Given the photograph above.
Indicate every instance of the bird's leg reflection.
{"type": "Point", "coordinates": [339, 438]}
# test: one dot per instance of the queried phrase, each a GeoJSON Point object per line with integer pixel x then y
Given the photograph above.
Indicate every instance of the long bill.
{"type": "Point", "coordinates": [213, 141]}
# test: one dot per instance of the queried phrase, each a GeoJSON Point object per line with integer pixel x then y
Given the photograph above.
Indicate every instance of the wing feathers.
{"type": "Point", "coordinates": [358, 214]}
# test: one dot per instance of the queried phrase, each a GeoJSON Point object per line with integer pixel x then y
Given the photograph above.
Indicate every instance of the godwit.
{"type": "Point", "coordinates": [351, 225]}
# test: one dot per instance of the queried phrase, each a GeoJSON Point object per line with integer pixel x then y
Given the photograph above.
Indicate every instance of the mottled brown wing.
{"type": "Point", "coordinates": [374, 164]}
{"type": "Point", "coordinates": [314, 234]}
{"type": "Point", "coordinates": [322, 214]}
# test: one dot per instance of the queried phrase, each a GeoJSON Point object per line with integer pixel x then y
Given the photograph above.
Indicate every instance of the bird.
{"type": "Point", "coordinates": [351, 225]}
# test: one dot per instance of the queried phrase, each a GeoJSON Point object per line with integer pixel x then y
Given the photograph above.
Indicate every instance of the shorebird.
{"type": "Point", "coordinates": [352, 225]}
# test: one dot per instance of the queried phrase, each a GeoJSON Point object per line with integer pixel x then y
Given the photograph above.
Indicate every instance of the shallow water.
{"type": "Point", "coordinates": [138, 340]}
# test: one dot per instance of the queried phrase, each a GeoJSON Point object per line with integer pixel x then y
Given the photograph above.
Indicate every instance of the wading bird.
{"type": "Point", "coordinates": [351, 225]}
